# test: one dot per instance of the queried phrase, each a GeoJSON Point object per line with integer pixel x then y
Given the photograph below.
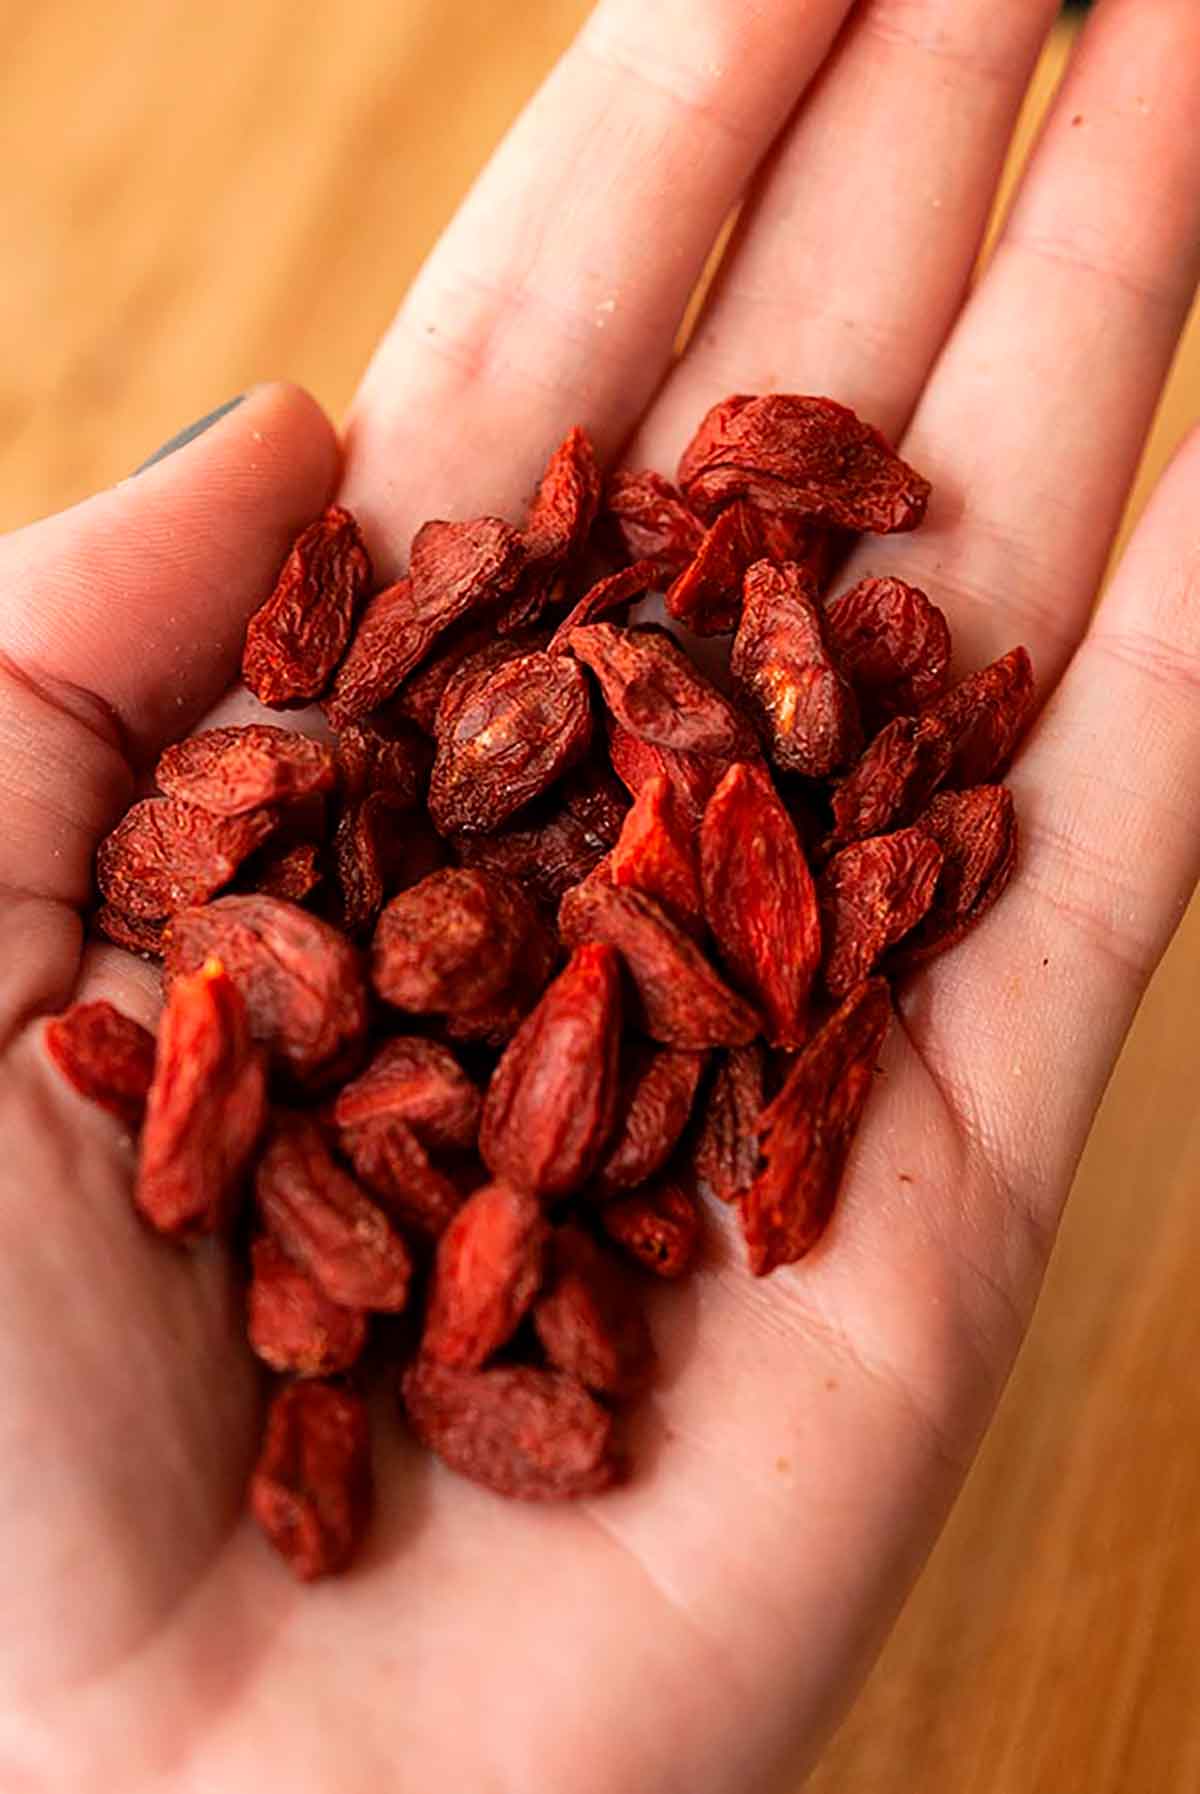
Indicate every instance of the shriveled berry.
{"type": "Point", "coordinates": [311, 1490]}
{"type": "Point", "coordinates": [486, 1274]}
{"type": "Point", "coordinates": [107, 1056]}
{"type": "Point", "coordinates": [551, 1104]}
{"type": "Point", "coordinates": [533, 1434]}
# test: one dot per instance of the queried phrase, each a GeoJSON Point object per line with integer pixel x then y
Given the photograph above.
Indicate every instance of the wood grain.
{"type": "Point", "coordinates": [198, 197]}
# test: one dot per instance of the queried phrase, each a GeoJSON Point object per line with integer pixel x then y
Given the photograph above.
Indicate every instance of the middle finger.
{"type": "Point", "coordinates": [852, 256]}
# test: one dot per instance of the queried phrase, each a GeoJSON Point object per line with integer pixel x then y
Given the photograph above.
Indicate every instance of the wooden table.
{"type": "Point", "coordinates": [197, 197]}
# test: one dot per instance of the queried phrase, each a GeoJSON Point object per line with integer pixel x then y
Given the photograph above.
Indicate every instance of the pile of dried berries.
{"type": "Point", "coordinates": [469, 1025]}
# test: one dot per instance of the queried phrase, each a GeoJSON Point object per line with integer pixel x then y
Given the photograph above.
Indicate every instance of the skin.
{"type": "Point", "coordinates": [703, 1628]}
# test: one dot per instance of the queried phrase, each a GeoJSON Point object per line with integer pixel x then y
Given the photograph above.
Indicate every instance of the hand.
{"type": "Point", "coordinates": [702, 1628]}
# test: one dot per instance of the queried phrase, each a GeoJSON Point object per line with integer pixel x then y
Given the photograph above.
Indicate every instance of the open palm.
{"type": "Point", "coordinates": [701, 1628]}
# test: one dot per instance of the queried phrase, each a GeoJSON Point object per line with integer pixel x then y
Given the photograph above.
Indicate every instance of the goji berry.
{"type": "Point", "coordinates": [808, 1130]}
{"type": "Point", "coordinates": [419, 1082]}
{"type": "Point", "coordinates": [785, 674]}
{"type": "Point", "coordinates": [652, 521]}
{"type": "Point", "coordinates": [533, 1434]}
{"type": "Point", "coordinates": [589, 1320]}
{"type": "Point", "coordinates": [164, 856]}
{"type": "Point", "coordinates": [244, 767]}
{"type": "Point", "coordinates": [614, 593]}
{"type": "Point", "coordinates": [557, 844]}
{"type": "Point", "coordinates": [290, 1321]}
{"type": "Point", "coordinates": [138, 934]}
{"type": "Point", "coordinates": [707, 594]}
{"type": "Point", "coordinates": [894, 779]}
{"type": "Point", "coordinates": [656, 854]}
{"type": "Point", "coordinates": [658, 1226]}
{"type": "Point", "coordinates": [652, 688]}
{"type": "Point", "coordinates": [977, 834]}
{"type": "Point", "coordinates": [205, 1110]}
{"type": "Point", "coordinates": [680, 999]}
{"type": "Point", "coordinates": [295, 640]}
{"type": "Point", "coordinates": [658, 1085]}
{"type": "Point", "coordinates": [985, 715]}
{"type": "Point", "coordinates": [302, 981]}
{"type": "Point", "coordinates": [458, 941]}
{"type": "Point", "coordinates": [872, 894]}
{"type": "Point", "coordinates": [311, 1489]}
{"type": "Point", "coordinates": [485, 1276]}
{"type": "Point", "coordinates": [393, 1165]}
{"type": "Point", "coordinates": [107, 1056]}
{"type": "Point", "coordinates": [512, 738]}
{"type": "Point", "coordinates": [556, 528]}
{"type": "Point", "coordinates": [806, 457]}
{"type": "Point", "coordinates": [760, 901]}
{"type": "Point", "coordinates": [326, 1223]}
{"type": "Point", "coordinates": [692, 777]}
{"type": "Point", "coordinates": [725, 1149]}
{"type": "Point", "coordinates": [373, 763]}
{"type": "Point", "coordinates": [892, 644]}
{"type": "Point", "coordinates": [289, 871]}
{"type": "Point", "coordinates": [551, 1104]}
{"type": "Point", "coordinates": [456, 571]}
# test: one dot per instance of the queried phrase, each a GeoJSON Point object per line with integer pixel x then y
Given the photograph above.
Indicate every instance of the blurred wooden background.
{"type": "Point", "coordinates": [194, 198]}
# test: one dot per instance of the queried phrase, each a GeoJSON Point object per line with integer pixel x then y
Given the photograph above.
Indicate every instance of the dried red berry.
{"type": "Point", "coordinates": [725, 1152]}
{"type": "Point", "coordinates": [311, 1488]}
{"type": "Point", "coordinates": [421, 694]}
{"type": "Point", "coordinates": [808, 1130]}
{"type": "Point", "coordinates": [760, 901]}
{"type": "Point", "coordinates": [206, 1107]}
{"type": "Point", "coordinates": [360, 853]}
{"type": "Point", "coordinates": [806, 457]}
{"type": "Point", "coordinates": [985, 715]}
{"type": "Point", "coordinates": [456, 571]}
{"type": "Point", "coordinates": [302, 980]}
{"type": "Point", "coordinates": [230, 771]}
{"type": "Point", "coordinates": [560, 843]}
{"type": "Point", "coordinates": [590, 1321]}
{"type": "Point", "coordinates": [292, 1324]}
{"type": "Point", "coordinates": [658, 1226]}
{"type": "Point", "coordinates": [107, 1056]}
{"type": "Point", "coordinates": [557, 526]}
{"type": "Point", "coordinates": [512, 738]}
{"type": "Point", "coordinates": [894, 779]}
{"type": "Point", "coordinates": [459, 941]}
{"type": "Point", "coordinates": [656, 854]}
{"type": "Point", "coordinates": [680, 999]}
{"type": "Point", "coordinates": [487, 1272]}
{"type": "Point", "coordinates": [707, 594]}
{"type": "Point", "coordinates": [653, 522]}
{"type": "Point", "coordinates": [871, 894]}
{"type": "Point", "coordinates": [536, 1435]}
{"type": "Point", "coordinates": [693, 777]}
{"type": "Point", "coordinates": [164, 856]}
{"type": "Point", "coordinates": [615, 593]}
{"type": "Point", "coordinates": [652, 688]}
{"type": "Point", "coordinates": [290, 871]}
{"type": "Point", "coordinates": [419, 1082]}
{"type": "Point", "coordinates": [325, 1223]}
{"type": "Point", "coordinates": [786, 677]}
{"type": "Point", "coordinates": [658, 1085]}
{"type": "Point", "coordinates": [551, 1103]}
{"type": "Point", "coordinates": [892, 644]}
{"type": "Point", "coordinates": [977, 834]}
{"type": "Point", "coordinates": [373, 763]}
{"type": "Point", "coordinates": [295, 640]}
{"type": "Point", "coordinates": [394, 1166]}
{"type": "Point", "coordinates": [138, 934]}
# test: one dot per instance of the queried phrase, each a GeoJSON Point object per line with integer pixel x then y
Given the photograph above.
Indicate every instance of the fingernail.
{"type": "Point", "coordinates": [190, 434]}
